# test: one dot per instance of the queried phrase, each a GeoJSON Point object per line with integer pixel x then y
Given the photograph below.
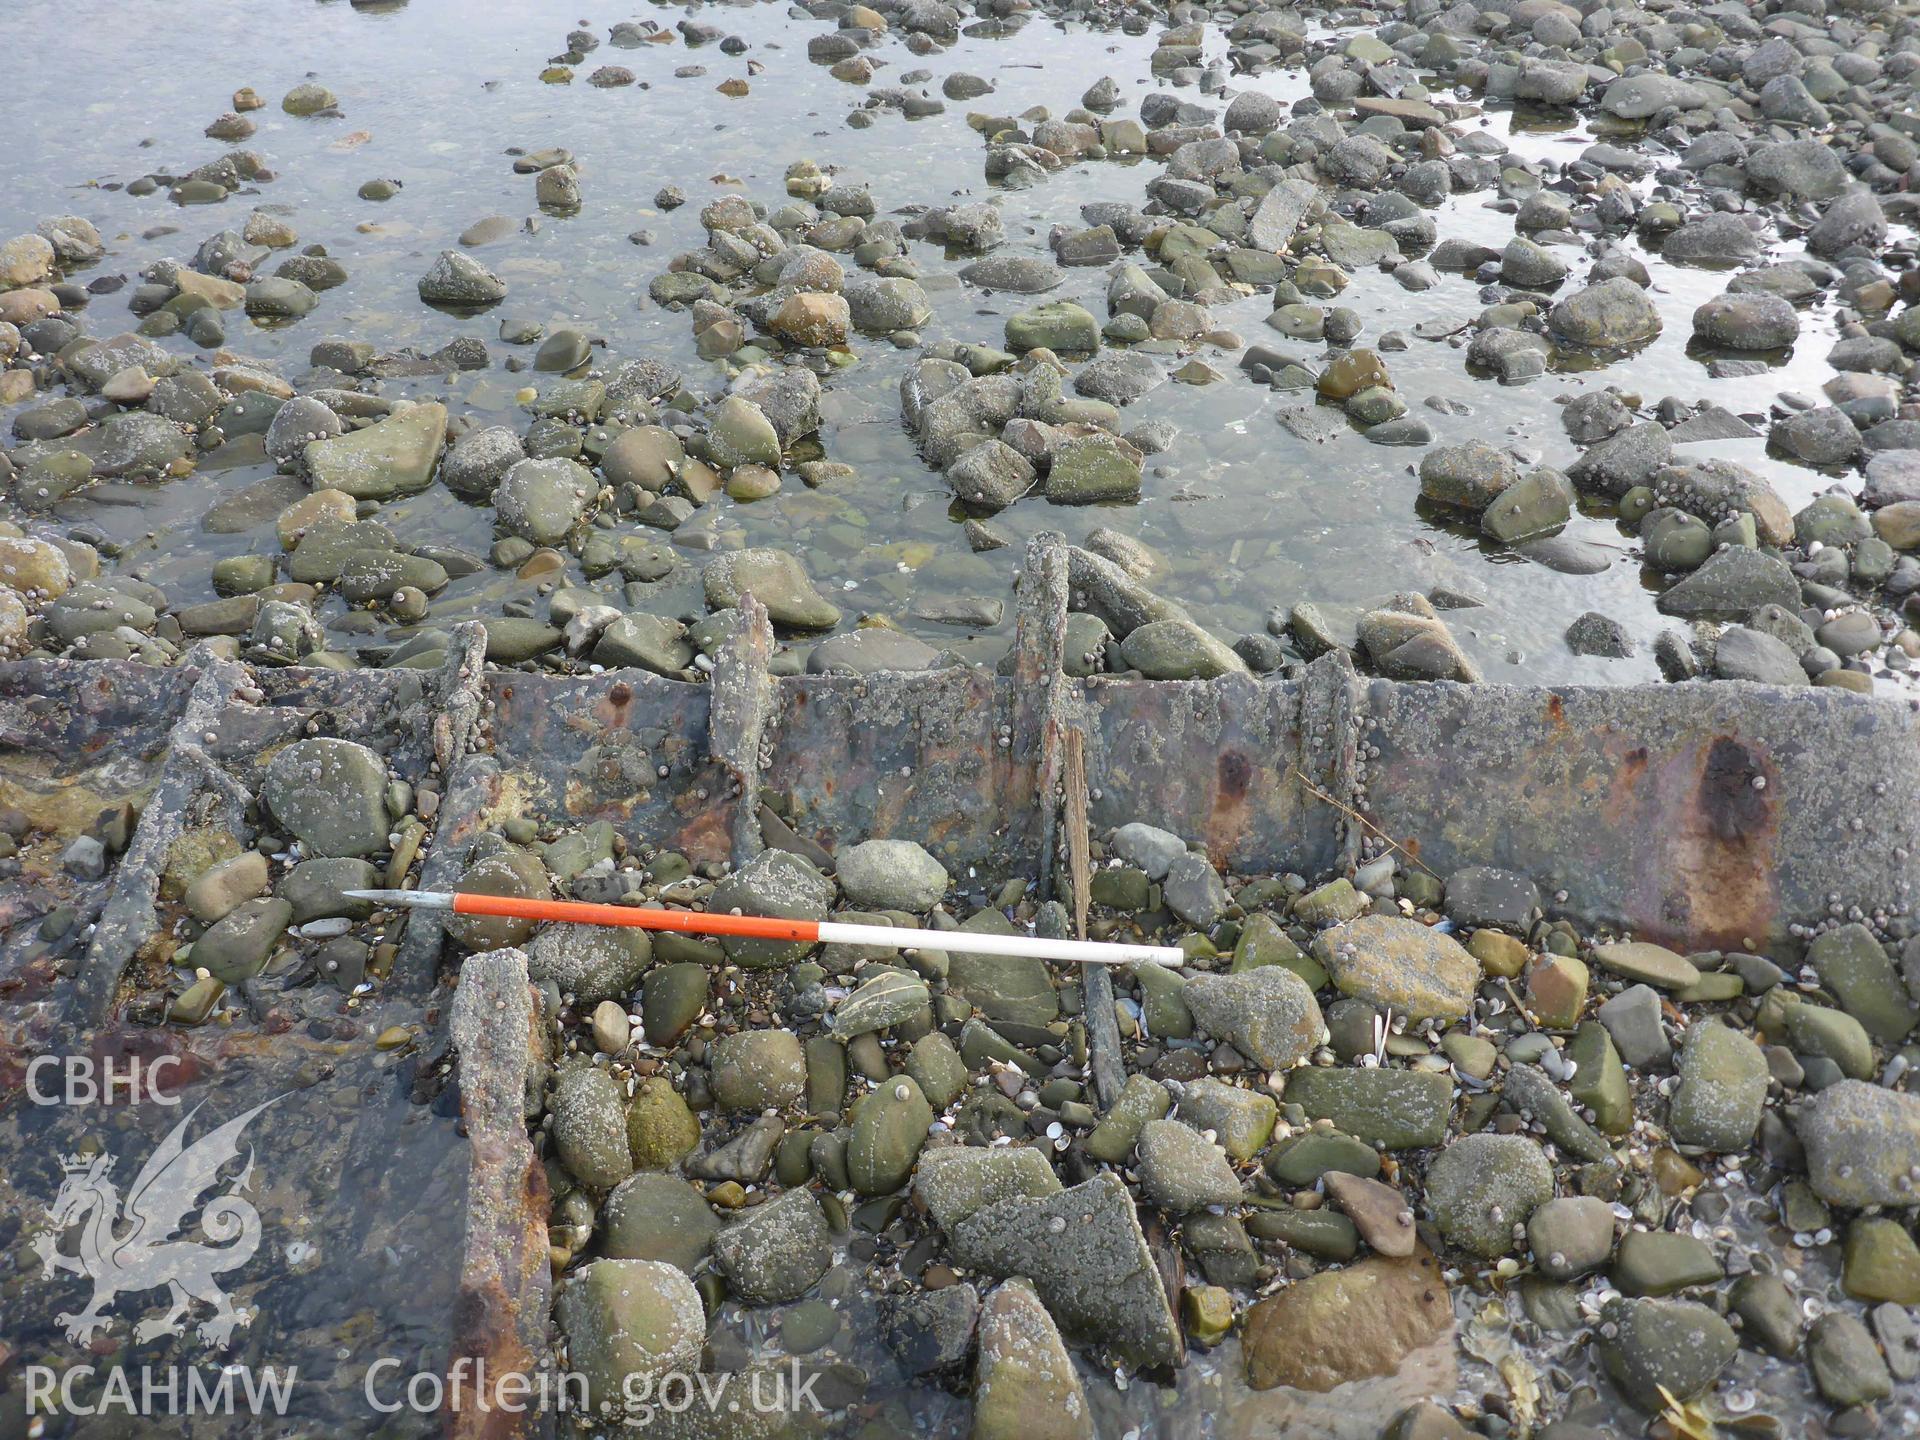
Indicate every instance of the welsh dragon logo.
{"type": "Point", "coordinates": [132, 1245]}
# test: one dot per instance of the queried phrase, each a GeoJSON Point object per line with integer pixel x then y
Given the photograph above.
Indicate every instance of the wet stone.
{"type": "Point", "coordinates": [590, 1126]}
{"type": "Point", "coordinates": [1571, 1236]}
{"type": "Point", "coordinates": [1633, 1020]}
{"type": "Point", "coordinates": [590, 963]}
{"type": "Point", "coordinates": [1651, 964]}
{"type": "Point", "coordinates": [1092, 1270]}
{"type": "Point", "coordinates": [1847, 1365]}
{"type": "Point", "coordinates": [1025, 1383]}
{"type": "Point", "coordinates": [1481, 1186]}
{"type": "Point", "coordinates": [1481, 896]}
{"type": "Point", "coordinates": [954, 1182]}
{"type": "Point", "coordinates": [1882, 1262]}
{"type": "Point", "coordinates": [1268, 1014]}
{"type": "Point", "coordinates": [1141, 1099]}
{"type": "Point", "coordinates": [1379, 1212]}
{"type": "Point", "coordinates": [887, 1128]}
{"type": "Point", "coordinates": [238, 946]}
{"type": "Point", "coordinates": [1676, 1345]}
{"type": "Point", "coordinates": [891, 875]}
{"type": "Point", "coordinates": [660, 1129]}
{"type": "Point", "coordinates": [1722, 1090]}
{"type": "Point", "coordinates": [1659, 1263]}
{"type": "Point", "coordinates": [1346, 1325]}
{"type": "Point", "coordinates": [1852, 964]}
{"type": "Point", "coordinates": [650, 1216]}
{"type": "Point", "coordinates": [1181, 1170]}
{"type": "Point", "coordinates": [1395, 1109]}
{"type": "Point", "coordinates": [758, 1070]}
{"type": "Point", "coordinates": [1420, 972]}
{"type": "Point", "coordinates": [460, 282]}
{"type": "Point", "coordinates": [1863, 1144]}
{"type": "Point", "coordinates": [778, 1251]}
{"type": "Point", "coordinates": [626, 1319]}
{"type": "Point", "coordinates": [1241, 1121]}
{"type": "Point", "coordinates": [507, 871]}
{"type": "Point", "coordinates": [931, 1331]}
{"type": "Point", "coordinates": [331, 794]}
{"type": "Point", "coordinates": [1769, 1313]}
{"type": "Point", "coordinates": [1900, 1340]}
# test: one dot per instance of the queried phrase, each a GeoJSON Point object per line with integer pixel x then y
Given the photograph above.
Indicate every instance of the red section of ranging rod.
{"type": "Point", "coordinates": [579, 912]}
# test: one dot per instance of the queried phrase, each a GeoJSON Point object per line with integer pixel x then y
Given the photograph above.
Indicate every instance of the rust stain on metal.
{"type": "Point", "coordinates": [1623, 793]}
{"type": "Point", "coordinates": [615, 710]}
{"type": "Point", "coordinates": [705, 836]}
{"type": "Point", "coordinates": [1556, 712]}
{"type": "Point", "coordinates": [1229, 807]}
{"type": "Point", "coordinates": [500, 1315]}
{"type": "Point", "coordinates": [1719, 859]}
{"type": "Point", "coordinates": [1735, 807]}
{"type": "Point", "coordinates": [488, 1322]}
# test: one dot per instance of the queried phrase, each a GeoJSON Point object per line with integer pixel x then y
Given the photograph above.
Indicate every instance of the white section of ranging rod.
{"type": "Point", "coordinates": [969, 942]}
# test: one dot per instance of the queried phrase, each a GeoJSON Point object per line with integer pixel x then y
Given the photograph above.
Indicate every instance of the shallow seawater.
{"type": "Point", "coordinates": [1247, 517]}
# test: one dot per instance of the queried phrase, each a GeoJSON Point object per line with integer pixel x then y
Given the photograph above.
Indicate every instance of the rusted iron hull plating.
{"type": "Point", "coordinates": [1713, 815]}
{"type": "Point", "coordinates": [1707, 814]}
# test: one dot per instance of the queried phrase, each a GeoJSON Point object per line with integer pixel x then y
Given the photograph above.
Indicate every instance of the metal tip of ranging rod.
{"type": "Point", "coordinates": [408, 899]}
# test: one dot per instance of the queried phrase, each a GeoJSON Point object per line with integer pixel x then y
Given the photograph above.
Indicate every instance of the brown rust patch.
{"type": "Point", "coordinates": [1235, 774]}
{"type": "Point", "coordinates": [1718, 860]}
{"type": "Point", "coordinates": [1627, 797]}
{"type": "Point", "coordinates": [494, 1312]}
{"type": "Point", "coordinates": [1227, 814]}
{"type": "Point", "coordinates": [1624, 800]}
{"type": "Point", "coordinates": [1556, 712]}
{"type": "Point", "coordinates": [706, 836]}
{"type": "Point", "coordinates": [1734, 806]}
{"type": "Point", "coordinates": [613, 712]}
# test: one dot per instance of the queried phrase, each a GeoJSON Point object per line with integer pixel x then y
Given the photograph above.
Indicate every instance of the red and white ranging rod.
{"type": "Point", "coordinates": [761, 927]}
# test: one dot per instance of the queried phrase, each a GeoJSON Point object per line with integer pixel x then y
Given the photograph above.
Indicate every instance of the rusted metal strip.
{"type": "Point", "coordinates": [739, 713]}
{"type": "Point", "coordinates": [193, 789]}
{"type": "Point", "coordinates": [76, 739]}
{"type": "Point", "coordinates": [500, 1318]}
{"type": "Point", "coordinates": [459, 693]}
{"type": "Point", "coordinates": [1040, 683]}
{"type": "Point", "coordinates": [464, 806]}
{"type": "Point", "coordinates": [624, 746]}
{"type": "Point", "coordinates": [927, 756]}
{"type": "Point", "coordinates": [458, 698]}
{"type": "Point", "coordinates": [1330, 721]}
{"type": "Point", "coordinates": [1096, 981]}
